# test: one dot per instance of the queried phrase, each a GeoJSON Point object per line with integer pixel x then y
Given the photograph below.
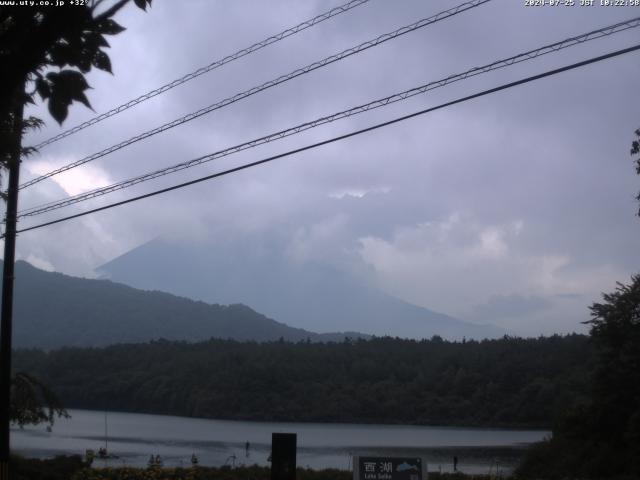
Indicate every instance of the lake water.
{"type": "Point", "coordinates": [134, 437]}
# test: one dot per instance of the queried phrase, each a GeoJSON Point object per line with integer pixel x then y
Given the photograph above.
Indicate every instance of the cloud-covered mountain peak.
{"type": "Point", "coordinates": [305, 294]}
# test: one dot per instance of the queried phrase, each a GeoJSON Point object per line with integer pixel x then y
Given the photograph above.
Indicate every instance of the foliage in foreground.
{"type": "Point", "coordinates": [225, 473]}
{"type": "Point", "coordinates": [601, 438]}
{"type": "Point", "coordinates": [62, 45]}
{"type": "Point", "coordinates": [58, 468]}
{"type": "Point", "coordinates": [202, 473]}
{"type": "Point", "coordinates": [73, 468]}
{"type": "Point", "coordinates": [33, 402]}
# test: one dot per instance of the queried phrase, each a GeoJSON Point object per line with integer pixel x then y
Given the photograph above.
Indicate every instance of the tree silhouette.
{"type": "Point", "coordinates": [51, 48]}
{"type": "Point", "coordinates": [615, 413]}
{"type": "Point", "coordinates": [601, 438]}
{"type": "Point", "coordinates": [44, 50]}
{"type": "Point", "coordinates": [47, 50]}
{"type": "Point", "coordinates": [32, 402]}
{"type": "Point", "coordinates": [635, 150]}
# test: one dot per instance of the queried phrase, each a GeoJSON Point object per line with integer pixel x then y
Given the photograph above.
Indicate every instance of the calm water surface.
{"type": "Point", "coordinates": [134, 437]}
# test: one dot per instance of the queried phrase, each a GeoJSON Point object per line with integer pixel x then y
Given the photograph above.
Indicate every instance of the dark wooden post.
{"type": "Point", "coordinates": [283, 456]}
{"type": "Point", "coordinates": [7, 284]}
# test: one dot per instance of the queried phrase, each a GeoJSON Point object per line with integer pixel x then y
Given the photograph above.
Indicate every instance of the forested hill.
{"type": "Point", "coordinates": [506, 382]}
{"type": "Point", "coordinates": [53, 310]}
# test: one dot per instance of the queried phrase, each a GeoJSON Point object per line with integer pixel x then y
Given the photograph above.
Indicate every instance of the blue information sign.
{"type": "Point", "coordinates": [388, 468]}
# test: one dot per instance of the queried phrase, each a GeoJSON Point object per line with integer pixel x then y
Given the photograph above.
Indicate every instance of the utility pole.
{"type": "Point", "coordinates": [7, 281]}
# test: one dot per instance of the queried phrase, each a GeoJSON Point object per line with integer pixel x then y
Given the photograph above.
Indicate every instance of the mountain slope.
{"type": "Point", "coordinates": [307, 295]}
{"type": "Point", "coordinates": [53, 310]}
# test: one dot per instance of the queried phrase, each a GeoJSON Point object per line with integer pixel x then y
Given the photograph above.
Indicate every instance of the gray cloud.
{"type": "Point", "coordinates": [506, 306]}
{"type": "Point", "coordinates": [524, 194]}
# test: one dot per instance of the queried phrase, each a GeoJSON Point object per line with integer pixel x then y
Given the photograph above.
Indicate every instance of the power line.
{"type": "Point", "coordinates": [271, 83]}
{"type": "Point", "coordinates": [554, 47]}
{"type": "Point", "coordinates": [341, 137]}
{"type": "Point", "coordinates": [212, 66]}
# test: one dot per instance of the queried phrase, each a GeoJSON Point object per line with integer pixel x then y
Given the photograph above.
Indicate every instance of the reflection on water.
{"type": "Point", "coordinates": [134, 437]}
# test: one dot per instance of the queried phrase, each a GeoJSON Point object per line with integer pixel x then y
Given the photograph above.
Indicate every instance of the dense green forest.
{"type": "Point", "coordinates": [505, 382]}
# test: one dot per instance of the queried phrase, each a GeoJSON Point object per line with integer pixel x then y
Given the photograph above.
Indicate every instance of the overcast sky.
{"type": "Point", "coordinates": [516, 208]}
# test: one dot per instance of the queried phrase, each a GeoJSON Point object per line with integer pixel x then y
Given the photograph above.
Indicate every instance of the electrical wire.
{"type": "Point", "coordinates": [341, 137]}
{"type": "Point", "coordinates": [529, 55]}
{"type": "Point", "coordinates": [212, 66]}
{"type": "Point", "coordinates": [271, 83]}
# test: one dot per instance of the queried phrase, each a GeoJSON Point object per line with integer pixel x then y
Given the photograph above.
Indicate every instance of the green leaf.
{"type": "Point", "coordinates": [110, 27]}
{"type": "Point", "coordinates": [66, 86]}
{"type": "Point", "coordinates": [73, 80]}
{"type": "Point", "coordinates": [84, 61]}
{"type": "Point", "coordinates": [81, 97]}
{"type": "Point", "coordinates": [61, 55]}
{"type": "Point", "coordinates": [58, 109]}
{"type": "Point", "coordinates": [98, 40]}
{"type": "Point", "coordinates": [32, 123]}
{"type": "Point", "coordinates": [101, 61]}
{"type": "Point", "coordinates": [42, 87]}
